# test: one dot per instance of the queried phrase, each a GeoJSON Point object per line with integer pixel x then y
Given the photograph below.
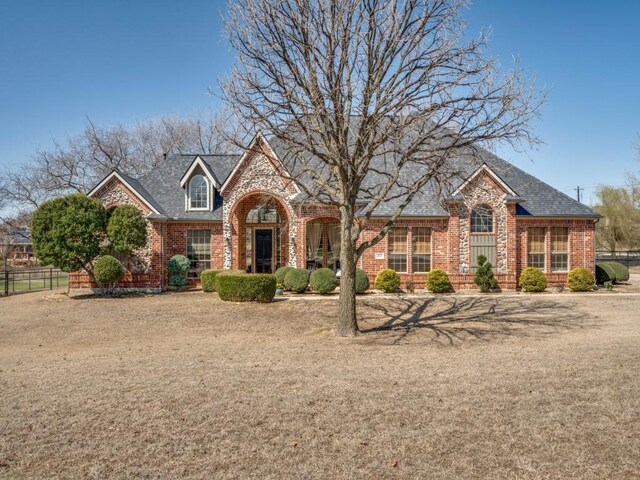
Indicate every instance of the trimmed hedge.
{"type": "Point", "coordinates": [297, 280]}
{"type": "Point", "coordinates": [580, 280]}
{"type": "Point", "coordinates": [253, 287]}
{"type": "Point", "coordinates": [208, 280]}
{"type": "Point", "coordinates": [605, 273]}
{"type": "Point", "coordinates": [178, 264]}
{"type": "Point", "coordinates": [177, 281]}
{"type": "Point", "coordinates": [533, 280]}
{"type": "Point", "coordinates": [323, 281]}
{"type": "Point", "coordinates": [222, 273]}
{"type": "Point", "coordinates": [438, 281]}
{"type": "Point", "coordinates": [107, 270]}
{"type": "Point", "coordinates": [280, 274]}
{"type": "Point", "coordinates": [362, 281]}
{"type": "Point", "coordinates": [387, 280]}
{"type": "Point", "coordinates": [621, 272]}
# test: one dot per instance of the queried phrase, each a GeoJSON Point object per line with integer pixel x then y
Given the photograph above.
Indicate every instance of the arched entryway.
{"type": "Point", "coordinates": [260, 237]}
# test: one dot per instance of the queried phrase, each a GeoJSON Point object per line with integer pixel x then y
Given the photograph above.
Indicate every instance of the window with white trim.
{"type": "Point", "coordinates": [420, 249]}
{"type": "Point", "coordinates": [482, 219]}
{"type": "Point", "coordinates": [536, 247]}
{"type": "Point", "coordinates": [198, 193]}
{"type": "Point", "coordinates": [198, 251]}
{"type": "Point", "coordinates": [397, 249]}
{"type": "Point", "coordinates": [559, 249]}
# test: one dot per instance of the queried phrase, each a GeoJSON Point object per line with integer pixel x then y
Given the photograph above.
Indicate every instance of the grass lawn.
{"type": "Point", "coordinates": [181, 385]}
{"type": "Point", "coordinates": [22, 283]}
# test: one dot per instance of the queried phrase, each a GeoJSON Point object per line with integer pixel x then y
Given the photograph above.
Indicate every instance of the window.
{"type": "Point", "coordinates": [198, 193]}
{"type": "Point", "coordinates": [397, 241]}
{"type": "Point", "coordinates": [536, 247]}
{"type": "Point", "coordinates": [248, 238]}
{"type": "Point", "coordinates": [263, 214]}
{"type": "Point", "coordinates": [420, 249]}
{"type": "Point", "coordinates": [559, 249]}
{"type": "Point", "coordinates": [198, 251]}
{"type": "Point", "coordinates": [482, 220]}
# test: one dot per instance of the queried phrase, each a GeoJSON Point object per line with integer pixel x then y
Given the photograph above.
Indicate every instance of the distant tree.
{"type": "Point", "coordinates": [126, 229]}
{"type": "Point", "coordinates": [68, 232]}
{"type": "Point", "coordinates": [621, 222]}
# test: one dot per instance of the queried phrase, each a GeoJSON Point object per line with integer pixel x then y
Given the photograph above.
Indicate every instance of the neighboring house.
{"type": "Point", "coordinates": [20, 248]}
{"type": "Point", "coordinates": [245, 212]}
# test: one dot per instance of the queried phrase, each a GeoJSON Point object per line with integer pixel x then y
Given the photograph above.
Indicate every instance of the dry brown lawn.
{"type": "Point", "coordinates": [184, 386]}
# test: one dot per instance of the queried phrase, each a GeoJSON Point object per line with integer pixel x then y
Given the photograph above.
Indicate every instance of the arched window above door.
{"type": "Point", "coordinates": [482, 219]}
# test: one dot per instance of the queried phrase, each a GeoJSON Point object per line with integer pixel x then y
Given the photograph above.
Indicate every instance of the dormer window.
{"type": "Point", "coordinates": [198, 193]}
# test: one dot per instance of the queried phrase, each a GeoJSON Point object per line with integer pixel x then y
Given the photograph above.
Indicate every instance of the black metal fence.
{"type": "Point", "coordinates": [29, 279]}
{"type": "Point", "coordinates": [629, 258]}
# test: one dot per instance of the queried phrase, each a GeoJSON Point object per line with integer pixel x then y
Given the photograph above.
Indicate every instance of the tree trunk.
{"type": "Point", "coordinates": [347, 324]}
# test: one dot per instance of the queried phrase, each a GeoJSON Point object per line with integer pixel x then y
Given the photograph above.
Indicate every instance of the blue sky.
{"type": "Point", "coordinates": [118, 61]}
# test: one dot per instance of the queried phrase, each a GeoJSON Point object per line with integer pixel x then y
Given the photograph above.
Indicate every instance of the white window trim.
{"type": "Point", "coordinates": [188, 206]}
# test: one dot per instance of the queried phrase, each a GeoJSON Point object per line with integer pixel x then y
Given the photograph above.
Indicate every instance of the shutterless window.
{"type": "Point", "coordinates": [559, 249]}
{"type": "Point", "coordinates": [482, 220]}
{"type": "Point", "coordinates": [198, 251]}
{"type": "Point", "coordinates": [421, 249]}
{"type": "Point", "coordinates": [536, 247]}
{"type": "Point", "coordinates": [397, 241]}
{"type": "Point", "coordinates": [198, 193]}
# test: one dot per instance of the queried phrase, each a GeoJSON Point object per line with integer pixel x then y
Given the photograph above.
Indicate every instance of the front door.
{"type": "Point", "coordinates": [264, 251]}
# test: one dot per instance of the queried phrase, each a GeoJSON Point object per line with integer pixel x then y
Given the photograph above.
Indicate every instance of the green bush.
{"type": "Point", "coordinates": [126, 229]}
{"type": "Point", "coordinates": [296, 280]}
{"type": "Point", "coordinates": [258, 287]}
{"type": "Point", "coordinates": [362, 281]}
{"type": "Point", "coordinates": [484, 275]}
{"type": "Point", "coordinates": [580, 280]}
{"type": "Point", "coordinates": [387, 280]}
{"type": "Point", "coordinates": [438, 281]}
{"type": "Point", "coordinates": [208, 280]}
{"type": "Point", "coordinates": [533, 280]}
{"type": "Point", "coordinates": [177, 281]}
{"type": "Point", "coordinates": [280, 274]}
{"type": "Point", "coordinates": [323, 280]}
{"type": "Point", "coordinates": [621, 272]}
{"type": "Point", "coordinates": [107, 271]}
{"type": "Point", "coordinates": [605, 272]}
{"type": "Point", "coordinates": [223, 273]}
{"type": "Point", "coordinates": [178, 264]}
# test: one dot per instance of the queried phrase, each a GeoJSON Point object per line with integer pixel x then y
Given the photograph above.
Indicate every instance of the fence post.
{"type": "Point", "coordinates": [51, 279]}
{"type": "Point", "coordinates": [6, 282]}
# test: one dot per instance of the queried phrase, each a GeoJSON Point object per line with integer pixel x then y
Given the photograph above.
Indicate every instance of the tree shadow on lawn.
{"type": "Point", "coordinates": [451, 320]}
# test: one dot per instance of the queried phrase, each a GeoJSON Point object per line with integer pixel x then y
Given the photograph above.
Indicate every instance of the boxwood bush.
{"type": "Point", "coordinates": [178, 264]}
{"type": "Point", "coordinates": [177, 281]}
{"type": "Point", "coordinates": [605, 273]}
{"type": "Point", "coordinates": [621, 272]}
{"type": "Point", "coordinates": [296, 280]}
{"type": "Point", "coordinates": [208, 280]}
{"type": "Point", "coordinates": [580, 280]}
{"type": "Point", "coordinates": [438, 281]}
{"type": "Point", "coordinates": [533, 280]}
{"type": "Point", "coordinates": [362, 281]}
{"type": "Point", "coordinates": [323, 280]}
{"type": "Point", "coordinates": [253, 287]}
{"type": "Point", "coordinates": [107, 271]}
{"type": "Point", "coordinates": [280, 274]}
{"type": "Point", "coordinates": [387, 280]}
{"type": "Point", "coordinates": [222, 273]}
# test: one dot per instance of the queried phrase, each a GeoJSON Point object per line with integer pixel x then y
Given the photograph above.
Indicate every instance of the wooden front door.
{"type": "Point", "coordinates": [264, 251]}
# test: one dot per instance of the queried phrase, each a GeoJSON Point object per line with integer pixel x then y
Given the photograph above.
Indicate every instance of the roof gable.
{"type": "Point", "coordinates": [129, 183]}
{"type": "Point", "coordinates": [484, 169]}
{"type": "Point", "coordinates": [198, 162]}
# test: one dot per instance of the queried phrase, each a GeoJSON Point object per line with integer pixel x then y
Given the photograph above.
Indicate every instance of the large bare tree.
{"type": "Point", "coordinates": [373, 98]}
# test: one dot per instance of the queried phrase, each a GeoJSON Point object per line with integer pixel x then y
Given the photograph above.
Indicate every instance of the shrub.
{"type": "Point", "coordinates": [605, 273]}
{"type": "Point", "coordinates": [126, 229]}
{"type": "Point", "coordinates": [533, 280]}
{"type": "Point", "coordinates": [296, 280]}
{"type": "Point", "coordinates": [280, 274]}
{"type": "Point", "coordinates": [621, 272]}
{"type": "Point", "coordinates": [323, 280]}
{"type": "Point", "coordinates": [208, 280]}
{"type": "Point", "coordinates": [177, 281]}
{"type": "Point", "coordinates": [178, 264]}
{"type": "Point", "coordinates": [580, 280]}
{"type": "Point", "coordinates": [222, 273]}
{"type": "Point", "coordinates": [438, 281]}
{"type": "Point", "coordinates": [107, 271]}
{"type": "Point", "coordinates": [258, 287]}
{"type": "Point", "coordinates": [608, 285]}
{"type": "Point", "coordinates": [484, 275]}
{"type": "Point", "coordinates": [362, 281]}
{"type": "Point", "coordinates": [387, 280]}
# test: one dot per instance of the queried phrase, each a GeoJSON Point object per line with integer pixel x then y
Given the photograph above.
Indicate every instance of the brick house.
{"type": "Point", "coordinates": [246, 212]}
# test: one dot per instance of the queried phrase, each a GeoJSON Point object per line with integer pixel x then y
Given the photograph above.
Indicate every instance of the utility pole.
{"type": "Point", "coordinates": [578, 189]}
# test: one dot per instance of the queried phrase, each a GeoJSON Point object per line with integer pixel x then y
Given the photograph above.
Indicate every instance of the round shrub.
{"type": "Point", "coordinates": [605, 273]}
{"type": "Point", "coordinates": [362, 281]}
{"type": "Point", "coordinates": [323, 281]}
{"type": "Point", "coordinates": [107, 270]}
{"type": "Point", "coordinates": [177, 281]}
{"type": "Point", "coordinates": [621, 272]}
{"type": "Point", "coordinates": [533, 280]}
{"type": "Point", "coordinates": [580, 280]}
{"type": "Point", "coordinates": [178, 264]}
{"type": "Point", "coordinates": [438, 281]}
{"type": "Point", "coordinates": [296, 280]}
{"type": "Point", "coordinates": [387, 280]}
{"type": "Point", "coordinates": [253, 287]}
{"type": "Point", "coordinates": [208, 280]}
{"type": "Point", "coordinates": [280, 274]}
